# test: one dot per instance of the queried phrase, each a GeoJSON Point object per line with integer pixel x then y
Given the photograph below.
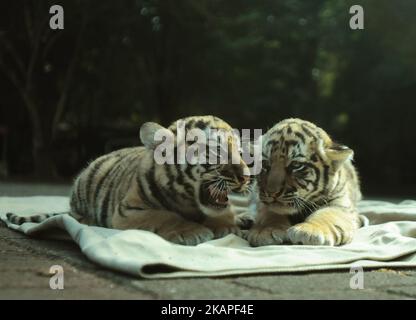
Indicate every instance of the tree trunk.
{"type": "Point", "coordinates": [44, 166]}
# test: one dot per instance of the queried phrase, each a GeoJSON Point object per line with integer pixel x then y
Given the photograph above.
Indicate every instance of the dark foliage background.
{"type": "Point", "coordinates": [70, 95]}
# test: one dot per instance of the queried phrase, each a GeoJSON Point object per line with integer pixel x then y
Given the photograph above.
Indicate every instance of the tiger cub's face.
{"type": "Point", "coordinates": [210, 182]}
{"type": "Point", "coordinates": [300, 165]}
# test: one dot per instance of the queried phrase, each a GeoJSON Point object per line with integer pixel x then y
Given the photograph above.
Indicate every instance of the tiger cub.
{"type": "Point", "coordinates": [184, 203]}
{"type": "Point", "coordinates": [308, 188]}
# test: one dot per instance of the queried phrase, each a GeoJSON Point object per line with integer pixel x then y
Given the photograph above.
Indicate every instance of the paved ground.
{"type": "Point", "coordinates": [25, 264]}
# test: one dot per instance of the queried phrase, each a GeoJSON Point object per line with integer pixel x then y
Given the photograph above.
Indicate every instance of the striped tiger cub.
{"type": "Point", "coordinates": [184, 203]}
{"type": "Point", "coordinates": [308, 188]}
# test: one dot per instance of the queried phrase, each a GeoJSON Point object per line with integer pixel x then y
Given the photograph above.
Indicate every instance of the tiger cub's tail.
{"type": "Point", "coordinates": [15, 219]}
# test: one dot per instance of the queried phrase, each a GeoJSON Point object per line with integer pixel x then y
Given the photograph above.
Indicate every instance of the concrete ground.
{"type": "Point", "coordinates": [25, 264]}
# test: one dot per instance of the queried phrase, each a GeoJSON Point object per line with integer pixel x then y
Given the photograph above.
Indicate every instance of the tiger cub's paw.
{"type": "Point", "coordinates": [245, 220]}
{"type": "Point", "coordinates": [310, 234]}
{"type": "Point", "coordinates": [266, 236]}
{"type": "Point", "coordinates": [224, 230]}
{"type": "Point", "coordinates": [188, 235]}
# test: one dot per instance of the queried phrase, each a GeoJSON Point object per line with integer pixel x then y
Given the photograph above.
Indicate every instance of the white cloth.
{"type": "Point", "coordinates": [389, 241]}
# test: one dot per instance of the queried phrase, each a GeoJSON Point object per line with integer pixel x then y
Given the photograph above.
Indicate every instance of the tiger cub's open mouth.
{"type": "Point", "coordinates": [213, 195]}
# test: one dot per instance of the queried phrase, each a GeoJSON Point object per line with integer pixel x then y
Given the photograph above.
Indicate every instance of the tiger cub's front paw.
{"type": "Point", "coordinates": [310, 234]}
{"type": "Point", "coordinates": [188, 235]}
{"type": "Point", "coordinates": [264, 236]}
{"type": "Point", "coordinates": [222, 231]}
{"type": "Point", "coordinates": [245, 220]}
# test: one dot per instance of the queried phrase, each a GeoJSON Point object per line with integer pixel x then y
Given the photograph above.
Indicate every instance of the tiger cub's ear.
{"type": "Point", "coordinates": [338, 154]}
{"type": "Point", "coordinates": [153, 134]}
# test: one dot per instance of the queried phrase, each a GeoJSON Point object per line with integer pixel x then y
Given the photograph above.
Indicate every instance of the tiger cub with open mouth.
{"type": "Point", "coordinates": [308, 188]}
{"type": "Point", "coordinates": [182, 202]}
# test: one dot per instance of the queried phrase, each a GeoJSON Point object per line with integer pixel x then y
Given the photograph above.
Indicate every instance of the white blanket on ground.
{"type": "Point", "coordinates": [389, 241]}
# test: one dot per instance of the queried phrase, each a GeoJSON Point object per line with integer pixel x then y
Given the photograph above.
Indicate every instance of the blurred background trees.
{"type": "Point", "coordinates": [70, 95]}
